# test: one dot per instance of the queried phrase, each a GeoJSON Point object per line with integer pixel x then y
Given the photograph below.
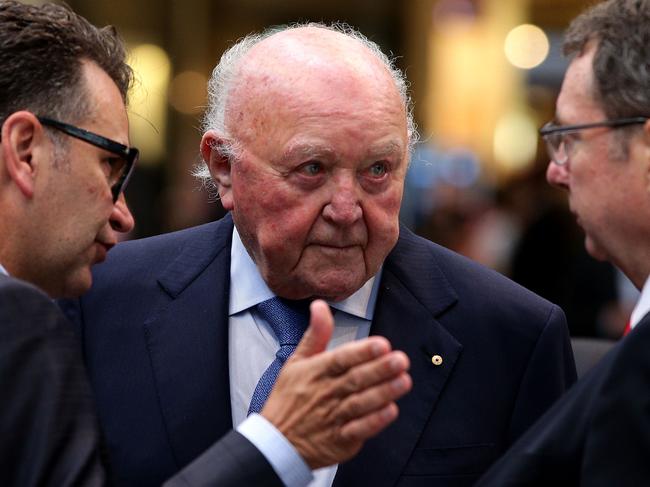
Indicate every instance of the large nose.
{"type": "Point", "coordinates": [558, 175]}
{"type": "Point", "coordinates": [344, 207]}
{"type": "Point", "coordinates": [121, 219]}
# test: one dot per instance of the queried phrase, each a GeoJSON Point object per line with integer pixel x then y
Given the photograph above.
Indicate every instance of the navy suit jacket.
{"type": "Point", "coordinates": [155, 340]}
{"type": "Point", "coordinates": [49, 434]}
{"type": "Point", "coordinates": [48, 429]}
{"type": "Point", "coordinates": [598, 434]}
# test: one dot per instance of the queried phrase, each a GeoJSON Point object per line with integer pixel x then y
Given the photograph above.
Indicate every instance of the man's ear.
{"type": "Point", "coordinates": [217, 155]}
{"type": "Point", "coordinates": [21, 146]}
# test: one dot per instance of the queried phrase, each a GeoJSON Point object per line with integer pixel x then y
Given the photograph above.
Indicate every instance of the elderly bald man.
{"type": "Point", "coordinates": [307, 141]}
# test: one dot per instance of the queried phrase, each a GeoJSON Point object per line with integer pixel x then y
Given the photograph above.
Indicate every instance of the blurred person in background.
{"type": "Point", "coordinates": [599, 144]}
{"type": "Point", "coordinates": [307, 140]}
{"type": "Point", "coordinates": [64, 161]}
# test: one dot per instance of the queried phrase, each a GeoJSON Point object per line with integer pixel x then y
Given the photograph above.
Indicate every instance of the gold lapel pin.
{"type": "Point", "coordinates": [436, 360]}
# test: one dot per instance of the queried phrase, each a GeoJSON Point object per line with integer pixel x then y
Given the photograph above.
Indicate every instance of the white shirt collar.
{"type": "Point", "coordinates": [642, 307]}
{"type": "Point", "coordinates": [3, 270]}
{"type": "Point", "coordinates": [247, 288]}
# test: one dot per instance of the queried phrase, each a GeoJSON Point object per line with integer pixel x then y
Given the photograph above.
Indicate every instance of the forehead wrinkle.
{"type": "Point", "coordinates": [309, 56]}
{"type": "Point", "coordinates": [386, 149]}
{"type": "Point", "coordinates": [304, 151]}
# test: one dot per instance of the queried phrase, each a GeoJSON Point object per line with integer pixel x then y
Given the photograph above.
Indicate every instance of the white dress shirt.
{"type": "Point", "coordinates": [252, 347]}
{"type": "Point", "coordinates": [642, 307]}
{"type": "Point", "coordinates": [3, 270]}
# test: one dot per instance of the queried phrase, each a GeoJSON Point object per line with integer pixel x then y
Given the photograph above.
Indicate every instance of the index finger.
{"type": "Point", "coordinates": [339, 360]}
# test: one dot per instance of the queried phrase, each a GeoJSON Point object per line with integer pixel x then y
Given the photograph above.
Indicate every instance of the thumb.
{"type": "Point", "coordinates": [316, 337]}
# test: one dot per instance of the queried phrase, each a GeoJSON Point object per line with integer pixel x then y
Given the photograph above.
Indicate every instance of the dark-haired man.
{"type": "Point", "coordinates": [64, 161]}
{"type": "Point", "coordinates": [599, 145]}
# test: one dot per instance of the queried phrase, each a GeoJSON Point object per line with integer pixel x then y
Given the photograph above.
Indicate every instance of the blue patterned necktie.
{"type": "Point", "coordinates": [289, 320]}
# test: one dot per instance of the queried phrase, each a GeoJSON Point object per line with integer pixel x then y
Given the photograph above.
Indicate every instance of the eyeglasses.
{"type": "Point", "coordinates": [121, 167]}
{"type": "Point", "coordinates": [557, 142]}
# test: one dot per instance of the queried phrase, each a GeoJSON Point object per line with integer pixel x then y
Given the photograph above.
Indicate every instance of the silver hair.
{"type": "Point", "coordinates": [224, 77]}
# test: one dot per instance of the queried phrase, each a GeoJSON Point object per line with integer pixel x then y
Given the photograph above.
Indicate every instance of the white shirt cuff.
{"type": "Point", "coordinates": [279, 452]}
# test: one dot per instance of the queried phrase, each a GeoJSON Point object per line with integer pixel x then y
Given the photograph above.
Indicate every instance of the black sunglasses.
{"type": "Point", "coordinates": [121, 167]}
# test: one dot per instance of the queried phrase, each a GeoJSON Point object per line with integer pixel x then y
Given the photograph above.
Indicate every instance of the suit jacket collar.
{"type": "Point", "coordinates": [187, 341]}
{"type": "Point", "coordinates": [414, 293]}
{"type": "Point", "coordinates": [198, 252]}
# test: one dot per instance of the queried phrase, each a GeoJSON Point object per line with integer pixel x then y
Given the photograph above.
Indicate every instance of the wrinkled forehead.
{"type": "Point", "coordinates": [310, 65]}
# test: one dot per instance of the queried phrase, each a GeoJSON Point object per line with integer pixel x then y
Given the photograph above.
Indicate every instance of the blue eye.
{"type": "Point", "coordinates": [378, 169]}
{"type": "Point", "coordinates": [312, 168]}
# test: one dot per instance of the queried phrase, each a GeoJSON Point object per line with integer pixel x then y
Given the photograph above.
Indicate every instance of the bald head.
{"type": "Point", "coordinates": [312, 50]}
{"type": "Point", "coordinates": [308, 69]}
{"type": "Point", "coordinates": [336, 58]}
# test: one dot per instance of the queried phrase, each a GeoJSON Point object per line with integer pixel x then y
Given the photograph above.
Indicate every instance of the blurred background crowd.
{"type": "Point", "coordinates": [484, 76]}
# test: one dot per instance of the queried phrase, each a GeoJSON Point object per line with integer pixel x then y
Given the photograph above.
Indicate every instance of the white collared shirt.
{"type": "Point", "coordinates": [642, 307]}
{"type": "Point", "coordinates": [3, 270]}
{"type": "Point", "coordinates": [252, 347]}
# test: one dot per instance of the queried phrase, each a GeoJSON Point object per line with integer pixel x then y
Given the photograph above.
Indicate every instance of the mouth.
{"type": "Point", "coordinates": [102, 251]}
{"type": "Point", "coordinates": [336, 250]}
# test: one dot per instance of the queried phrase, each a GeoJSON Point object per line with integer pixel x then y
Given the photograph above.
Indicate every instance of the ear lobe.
{"type": "Point", "coordinates": [21, 136]}
{"type": "Point", "coordinates": [216, 154]}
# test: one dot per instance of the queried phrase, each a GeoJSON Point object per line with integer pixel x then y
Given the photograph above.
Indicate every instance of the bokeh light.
{"type": "Point", "coordinates": [187, 92]}
{"type": "Point", "coordinates": [515, 141]}
{"type": "Point", "coordinates": [148, 100]}
{"type": "Point", "coordinates": [526, 46]}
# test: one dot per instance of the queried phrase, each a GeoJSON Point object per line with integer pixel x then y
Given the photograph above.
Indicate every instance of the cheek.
{"type": "Point", "coordinates": [382, 220]}
{"type": "Point", "coordinates": [276, 220]}
{"type": "Point", "coordinates": [382, 211]}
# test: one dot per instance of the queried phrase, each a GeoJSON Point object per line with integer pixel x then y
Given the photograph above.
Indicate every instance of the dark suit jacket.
{"type": "Point", "coordinates": [48, 429]}
{"type": "Point", "coordinates": [598, 434]}
{"type": "Point", "coordinates": [155, 336]}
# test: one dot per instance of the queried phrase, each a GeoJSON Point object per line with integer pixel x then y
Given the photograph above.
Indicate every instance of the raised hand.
{"type": "Point", "coordinates": [327, 403]}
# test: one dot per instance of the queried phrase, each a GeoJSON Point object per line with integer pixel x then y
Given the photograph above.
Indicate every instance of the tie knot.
{"type": "Point", "coordinates": [288, 319]}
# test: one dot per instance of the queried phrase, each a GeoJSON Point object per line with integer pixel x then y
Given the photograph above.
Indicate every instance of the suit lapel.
{"type": "Point", "coordinates": [413, 293]}
{"type": "Point", "coordinates": [187, 342]}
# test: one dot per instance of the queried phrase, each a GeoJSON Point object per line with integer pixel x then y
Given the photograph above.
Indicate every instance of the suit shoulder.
{"type": "Point", "coordinates": [482, 295]}
{"type": "Point", "coordinates": [629, 356]}
{"type": "Point", "coordinates": [18, 293]}
{"type": "Point", "coordinates": [163, 242]}
{"type": "Point", "coordinates": [26, 309]}
{"type": "Point", "coordinates": [466, 275]}
{"type": "Point", "coordinates": [151, 253]}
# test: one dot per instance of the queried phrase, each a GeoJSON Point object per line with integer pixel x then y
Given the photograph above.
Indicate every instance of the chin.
{"type": "Point", "coordinates": [77, 285]}
{"type": "Point", "coordinates": [595, 250]}
{"type": "Point", "coordinates": [338, 289]}
{"type": "Point", "coordinates": [329, 289]}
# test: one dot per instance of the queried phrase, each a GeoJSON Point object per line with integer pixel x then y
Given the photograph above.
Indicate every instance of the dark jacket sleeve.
{"type": "Point", "coordinates": [232, 461]}
{"type": "Point", "coordinates": [48, 429]}
{"type": "Point", "coordinates": [598, 434]}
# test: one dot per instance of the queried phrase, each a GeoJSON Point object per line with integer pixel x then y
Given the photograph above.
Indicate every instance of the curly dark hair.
{"type": "Point", "coordinates": [41, 53]}
{"type": "Point", "coordinates": [621, 66]}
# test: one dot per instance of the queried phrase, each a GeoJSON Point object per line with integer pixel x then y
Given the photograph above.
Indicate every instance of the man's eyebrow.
{"type": "Point", "coordinates": [386, 149]}
{"type": "Point", "coordinates": [305, 151]}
